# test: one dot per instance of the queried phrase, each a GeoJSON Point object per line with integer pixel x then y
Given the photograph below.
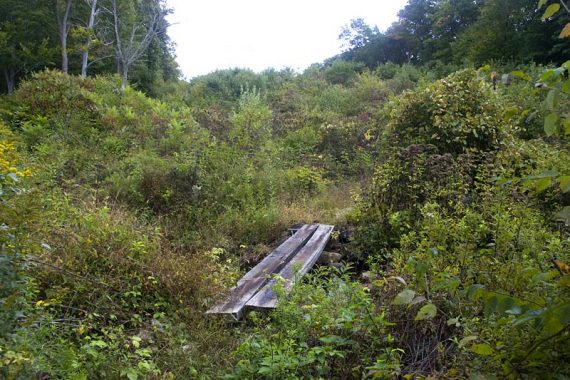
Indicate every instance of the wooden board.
{"type": "Point", "coordinates": [297, 267]}
{"type": "Point", "coordinates": [260, 274]}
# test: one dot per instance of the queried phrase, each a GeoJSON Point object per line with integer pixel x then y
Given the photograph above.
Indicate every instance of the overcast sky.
{"type": "Point", "coordinates": [257, 34]}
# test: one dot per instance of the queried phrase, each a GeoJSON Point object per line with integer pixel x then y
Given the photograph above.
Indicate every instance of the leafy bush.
{"type": "Point", "coordinates": [401, 186]}
{"type": "Point", "coordinates": [338, 99]}
{"type": "Point", "coordinates": [250, 121]}
{"type": "Point", "coordinates": [456, 114]}
{"type": "Point", "coordinates": [490, 260]}
{"type": "Point", "coordinates": [302, 181]}
{"type": "Point", "coordinates": [64, 100]}
{"type": "Point", "coordinates": [327, 328]}
{"type": "Point", "coordinates": [343, 72]}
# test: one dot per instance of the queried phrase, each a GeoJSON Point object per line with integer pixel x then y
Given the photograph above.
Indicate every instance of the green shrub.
{"type": "Point", "coordinates": [299, 145]}
{"type": "Point", "coordinates": [484, 268]}
{"type": "Point", "coordinates": [147, 180]}
{"type": "Point", "coordinates": [456, 114]}
{"type": "Point", "coordinates": [328, 328]}
{"type": "Point", "coordinates": [302, 181]}
{"type": "Point", "coordinates": [371, 90]}
{"type": "Point", "coordinates": [64, 100]}
{"type": "Point", "coordinates": [343, 72]}
{"type": "Point", "coordinates": [250, 121]}
{"type": "Point", "coordinates": [403, 184]}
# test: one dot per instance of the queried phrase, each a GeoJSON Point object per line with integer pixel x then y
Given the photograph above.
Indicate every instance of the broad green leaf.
{"type": "Point", "coordinates": [564, 183]}
{"type": "Point", "coordinates": [565, 32]}
{"type": "Point", "coordinates": [466, 340]}
{"type": "Point", "coordinates": [550, 11]}
{"type": "Point", "coordinates": [491, 303]}
{"type": "Point", "coordinates": [482, 349]}
{"type": "Point", "coordinates": [510, 113]}
{"type": "Point", "coordinates": [546, 276]}
{"type": "Point", "coordinates": [565, 281]}
{"type": "Point", "coordinates": [527, 317]}
{"type": "Point", "coordinates": [556, 318]}
{"type": "Point", "coordinates": [405, 297]}
{"type": "Point", "coordinates": [551, 123]}
{"type": "Point", "coordinates": [552, 99]}
{"type": "Point", "coordinates": [453, 322]}
{"type": "Point", "coordinates": [542, 184]}
{"type": "Point", "coordinates": [426, 312]}
{"type": "Point", "coordinates": [543, 174]}
{"type": "Point", "coordinates": [541, 3]}
{"type": "Point", "coordinates": [559, 71]}
{"type": "Point", "coordinates": [515, 310]}
{"type": "Point", "coordinates": [506, 303]}
{"type": "Point", "coordinates": [418, 299]}
{"type": "Point", "coordinates": [521, 75]}
{"type": "Point", "coordinates": [547, 76]}
{"type": "Point", "coordinates": [475, 291]}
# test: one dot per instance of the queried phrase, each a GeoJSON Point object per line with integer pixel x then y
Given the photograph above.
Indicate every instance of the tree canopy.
{"type": "Point", "coordinates": [460, 32]}
{"type": "Point", "coordinates": [79, 36]}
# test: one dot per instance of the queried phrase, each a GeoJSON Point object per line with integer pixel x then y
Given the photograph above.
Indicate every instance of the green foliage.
{"type": "Point", "coordinates": [456, 114]}
{"type": "Point", "coordinates": [341, 100]}
{"type": "Point", "coordinates": [342, 72]}
{"type": "Point", "coordinates": [141, 212]}
{"type": "Point", "coordinates": [303, 181]}
{"type": "Point", "coordinates": [473, 251]}
{"type": "Point", "coordinates": [250, 121]}
{"type": "Point", "coordinates": [491, 259]}
{"type": "Point", "coordinates": [327, 328]}
{"type": "Point", "coordinates": [402, 185]}
{"type": "Point", "coordinates": [441, 32]}
{"type": "Point", "coordinates": [30, 41]}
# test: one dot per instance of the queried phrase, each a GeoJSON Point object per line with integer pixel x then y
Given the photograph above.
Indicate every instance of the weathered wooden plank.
{"type": "Point", "coordinates": [260, 274]}
{"type": "Point", "coordinates": [297, 267]}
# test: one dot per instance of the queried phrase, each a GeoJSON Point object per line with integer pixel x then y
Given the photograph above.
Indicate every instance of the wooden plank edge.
{"type": "Point", "coordinates": [234, 306]}
{"type": "Point", "coordinates": [286, 256]}
{"type": "Point", "coordinates": [265, 298]}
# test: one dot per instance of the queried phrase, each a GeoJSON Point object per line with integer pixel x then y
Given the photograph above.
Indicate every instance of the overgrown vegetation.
{"type": "Point", "coordinates": [123, 218]}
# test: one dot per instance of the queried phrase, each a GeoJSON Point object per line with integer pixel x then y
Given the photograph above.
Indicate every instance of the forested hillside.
{"type": "Point", "coordinates": [132, 201]}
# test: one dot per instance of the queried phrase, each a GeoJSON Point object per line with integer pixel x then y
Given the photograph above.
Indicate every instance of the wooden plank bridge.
{"type": "Point", "coordinates": [291, 260]}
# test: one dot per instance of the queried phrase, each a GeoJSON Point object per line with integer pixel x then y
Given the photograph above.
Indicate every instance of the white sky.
{"type": "Point", "coordinates": [257, 34]}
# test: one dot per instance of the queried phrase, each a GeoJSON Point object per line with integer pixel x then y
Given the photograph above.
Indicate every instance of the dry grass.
{"type": "Point", "coordinates": [330, 207]}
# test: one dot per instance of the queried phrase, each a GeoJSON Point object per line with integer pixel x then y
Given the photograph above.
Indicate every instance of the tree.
{"type": "Point", "coordinates": [416, 19]}
{"type": "Point", "coordinates": [94, 11]}
{"type": "Point", "coordinates": [358, 34]}
{"type": "Point", "coordinates": [158, 64]}
{"type": "Point", "coordinates": [507, 29]}
{"type": "Point", "coordinates": [62, 10]}
{"type": "Point", "coordinates": [26, 41]}
{"type": "Point", "coordinates": [134, 29]}
{"type": "Point", "coordinates": [450, 19]}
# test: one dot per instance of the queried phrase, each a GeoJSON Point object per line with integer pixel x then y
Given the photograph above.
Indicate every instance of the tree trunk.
{"type": "Point", "coordinates": [84, 61]}
{"type": "Point", "coordinates": [129, 51]}
{"type": "Point", "coordinates": [122, 68]}
{"type": "Point", "coordinates": [125, 77]}
{"type": "Point", "coordinates": [10, 77]}
{"type": "Point", "coordinates": [90, 26]}
{"type": "Point", "coordinates": [64, 58]}
{"type": "Point", "coordinates": [63, 32]}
